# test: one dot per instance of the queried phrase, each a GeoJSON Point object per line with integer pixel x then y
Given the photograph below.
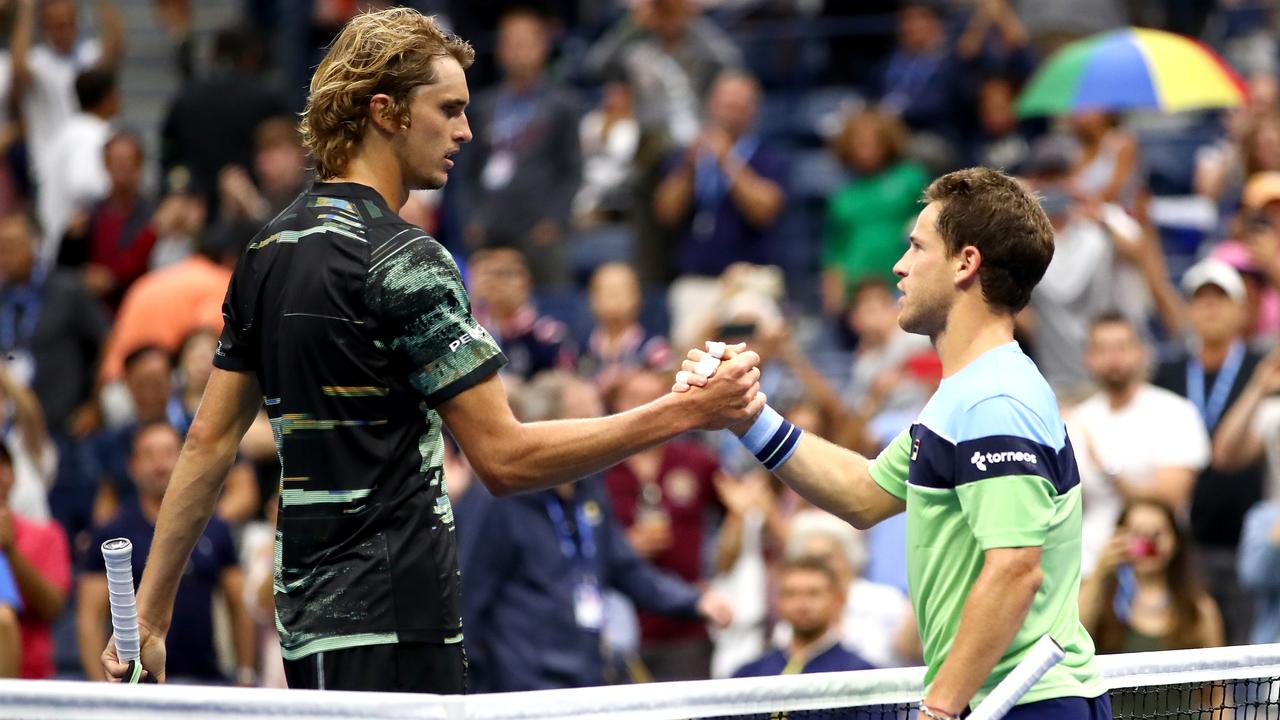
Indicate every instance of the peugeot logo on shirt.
{"type": "Point", "coordinates": [980, 459]}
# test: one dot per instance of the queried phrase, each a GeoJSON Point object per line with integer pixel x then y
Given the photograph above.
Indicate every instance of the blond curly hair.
{"type": "Point", "coordinates": [391, 52]}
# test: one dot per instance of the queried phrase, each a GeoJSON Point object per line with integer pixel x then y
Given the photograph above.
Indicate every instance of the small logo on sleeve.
{"type": "Point", "coordinates": [981, 459]}
{"type": "Point", "coordinates": [915, 449]}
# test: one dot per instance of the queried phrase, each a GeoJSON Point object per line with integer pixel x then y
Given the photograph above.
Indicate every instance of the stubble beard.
{"type": "Point", "coordinates": [925, 318]}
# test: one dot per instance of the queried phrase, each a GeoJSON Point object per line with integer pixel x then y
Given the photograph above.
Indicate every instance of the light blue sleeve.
{"type": "Point", "coordinates": [1259, 559]}
{"type": "Point", "coordinates": [1008, 416]}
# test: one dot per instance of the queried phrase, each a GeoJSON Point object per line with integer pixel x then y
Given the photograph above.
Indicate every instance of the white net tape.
{"type": "Point", "coordinates": [50, 700]}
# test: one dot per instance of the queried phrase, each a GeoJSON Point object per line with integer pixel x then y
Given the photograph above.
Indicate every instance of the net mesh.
{"type": "Point", "coordinates": [1251, 699]}
{"type": "Point", "coordinates": [1233, 683]}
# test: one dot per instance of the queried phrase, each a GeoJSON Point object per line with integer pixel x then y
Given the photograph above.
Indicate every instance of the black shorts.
{"type": "Point", "coordinates": [397, 667]}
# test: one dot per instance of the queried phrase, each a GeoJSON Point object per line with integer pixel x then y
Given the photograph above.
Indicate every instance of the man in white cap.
{"type": "Point", "coordinates": [1214, 375]}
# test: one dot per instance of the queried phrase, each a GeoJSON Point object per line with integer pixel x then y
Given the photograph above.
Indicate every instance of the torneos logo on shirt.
{"type": "Point", "coordinates": [980, 459]}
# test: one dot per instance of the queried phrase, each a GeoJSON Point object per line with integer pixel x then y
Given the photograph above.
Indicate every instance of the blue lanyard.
{"type": "Point", "coordinates": [710, 185]}
{"type": "Point", "coordinates": [24, 299]}
{"type": "Point", "coordinates": [1211, 408]}
{"type": "Point", "coordinates": [585, 548]}
{"type": "Point", "coordinates": [512, 115]}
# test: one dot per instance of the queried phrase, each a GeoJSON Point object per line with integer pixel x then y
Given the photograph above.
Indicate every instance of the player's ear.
{"type": "Point", "coordinates": [382, 113]}
{"type": "Point", "coordinates": [967, 262]}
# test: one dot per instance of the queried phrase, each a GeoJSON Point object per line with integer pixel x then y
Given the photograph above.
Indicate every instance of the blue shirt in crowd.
{"type": "Point", "coordinates": [9, 594]}
{"type": "Point", "coordinates": [191, 654]}
{"type": "Point", "coordinates": [716, 234]}
{"type": "Point", "coordinates": [1259, 567]}
{"type": "Point", "coordinates": [834, 659]}
{"type": "Point", "coordinates": [525, 561]}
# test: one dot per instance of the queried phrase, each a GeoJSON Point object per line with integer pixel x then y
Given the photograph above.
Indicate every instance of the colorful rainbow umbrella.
{"type": "Point", "coordinates": [1129, 69]}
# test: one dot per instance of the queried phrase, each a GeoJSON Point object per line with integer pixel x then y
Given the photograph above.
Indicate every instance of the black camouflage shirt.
{"type": "Point", "coordinates": [357, 326]}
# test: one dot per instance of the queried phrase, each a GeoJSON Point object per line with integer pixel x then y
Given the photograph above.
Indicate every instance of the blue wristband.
{"type": "Point", "coordinates": [772, 439]}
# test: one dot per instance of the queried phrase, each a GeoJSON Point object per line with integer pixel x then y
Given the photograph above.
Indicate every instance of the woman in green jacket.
{"type": "Point", "coordinates": [868, 219]}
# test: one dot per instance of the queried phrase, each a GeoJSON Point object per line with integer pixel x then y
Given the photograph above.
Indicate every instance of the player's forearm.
{"type": "Point", "coordinates": [992, 616]}
{"type": "Point", "coordinates": [834, 479]}
{"type": "Point", "coordinates": [545, 454]}
{"type": "Point", "coordinates": [188, 504]}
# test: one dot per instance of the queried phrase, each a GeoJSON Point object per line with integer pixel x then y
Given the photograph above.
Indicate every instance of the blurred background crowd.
{"type": "Point", "coordinates": [646, 175]}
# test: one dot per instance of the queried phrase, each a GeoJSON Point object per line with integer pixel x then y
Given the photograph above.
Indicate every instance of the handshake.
{"type": "Point", "coordinates": [722, 386]}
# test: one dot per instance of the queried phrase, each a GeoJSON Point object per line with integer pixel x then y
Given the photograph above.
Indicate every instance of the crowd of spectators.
{"type": "Point", "coordinates": [646, 175]}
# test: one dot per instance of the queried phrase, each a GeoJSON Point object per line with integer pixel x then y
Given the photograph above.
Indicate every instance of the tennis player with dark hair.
{"type": "Point", "coordinates": [986, 474]}
{"type": "Point", "coordinates": [355, 327]}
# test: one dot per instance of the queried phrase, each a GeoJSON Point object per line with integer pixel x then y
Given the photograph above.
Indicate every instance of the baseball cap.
{"type": "Point", "coordinates": [1262, 188]}
{"type": "Point", "coordinates": [1212, 271]}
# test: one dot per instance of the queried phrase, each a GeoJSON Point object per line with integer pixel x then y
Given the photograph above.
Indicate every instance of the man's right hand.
{"type": "Point", "coordinates": [731, 397]}
{"type": "Point", "coordinates": [152, 657]}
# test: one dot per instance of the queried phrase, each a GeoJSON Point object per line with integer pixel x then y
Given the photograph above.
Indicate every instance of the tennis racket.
{"type": "Point", "coordinates": [117, 554]}
{"type": "Point", "coordinates": [1043, 655]}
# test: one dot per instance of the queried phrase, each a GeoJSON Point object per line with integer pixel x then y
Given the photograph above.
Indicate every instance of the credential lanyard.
{"type": "Point", "coordinates": [1211, 408]}
{"type": "Point", "coordinates": [710, 185]}
{"type": "Point", "coordinates": [585, 547]}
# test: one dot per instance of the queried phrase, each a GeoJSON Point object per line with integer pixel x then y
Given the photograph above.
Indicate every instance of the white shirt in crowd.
{"type": "Point", "coordinates": [1157, 429]}
{"type": "Point", "coordinates": [32, 476]}
{"type": "Point", "coordinates": [606, 159]}
{"type": "Point", "coordinates": [75, 176]}
{"type": "Point", "coordinates": [51, 99]}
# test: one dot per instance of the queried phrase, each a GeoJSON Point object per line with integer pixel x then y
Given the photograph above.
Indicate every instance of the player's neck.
{"type": "Point", "coordinates": [377, 168]}
{"type": "Point", "coordinates": [968, 335]}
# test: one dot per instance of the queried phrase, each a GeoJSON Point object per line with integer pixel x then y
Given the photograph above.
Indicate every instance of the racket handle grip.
{"type": "Point", "coordinates": [117, 555]}
{"type": "Point", "coordinates": [1039, 660]}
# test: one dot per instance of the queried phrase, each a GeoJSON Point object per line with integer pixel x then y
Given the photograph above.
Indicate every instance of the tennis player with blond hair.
{"type": "Point", "coordinates": [355, 329]}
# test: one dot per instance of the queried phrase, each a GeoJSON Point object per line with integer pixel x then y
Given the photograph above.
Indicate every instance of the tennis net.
{"type": "Point", "coordinates": [1231, 683]}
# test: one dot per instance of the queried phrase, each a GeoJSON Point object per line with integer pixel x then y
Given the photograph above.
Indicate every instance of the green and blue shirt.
{"type": "Point", "coordinates": [988, 464]}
